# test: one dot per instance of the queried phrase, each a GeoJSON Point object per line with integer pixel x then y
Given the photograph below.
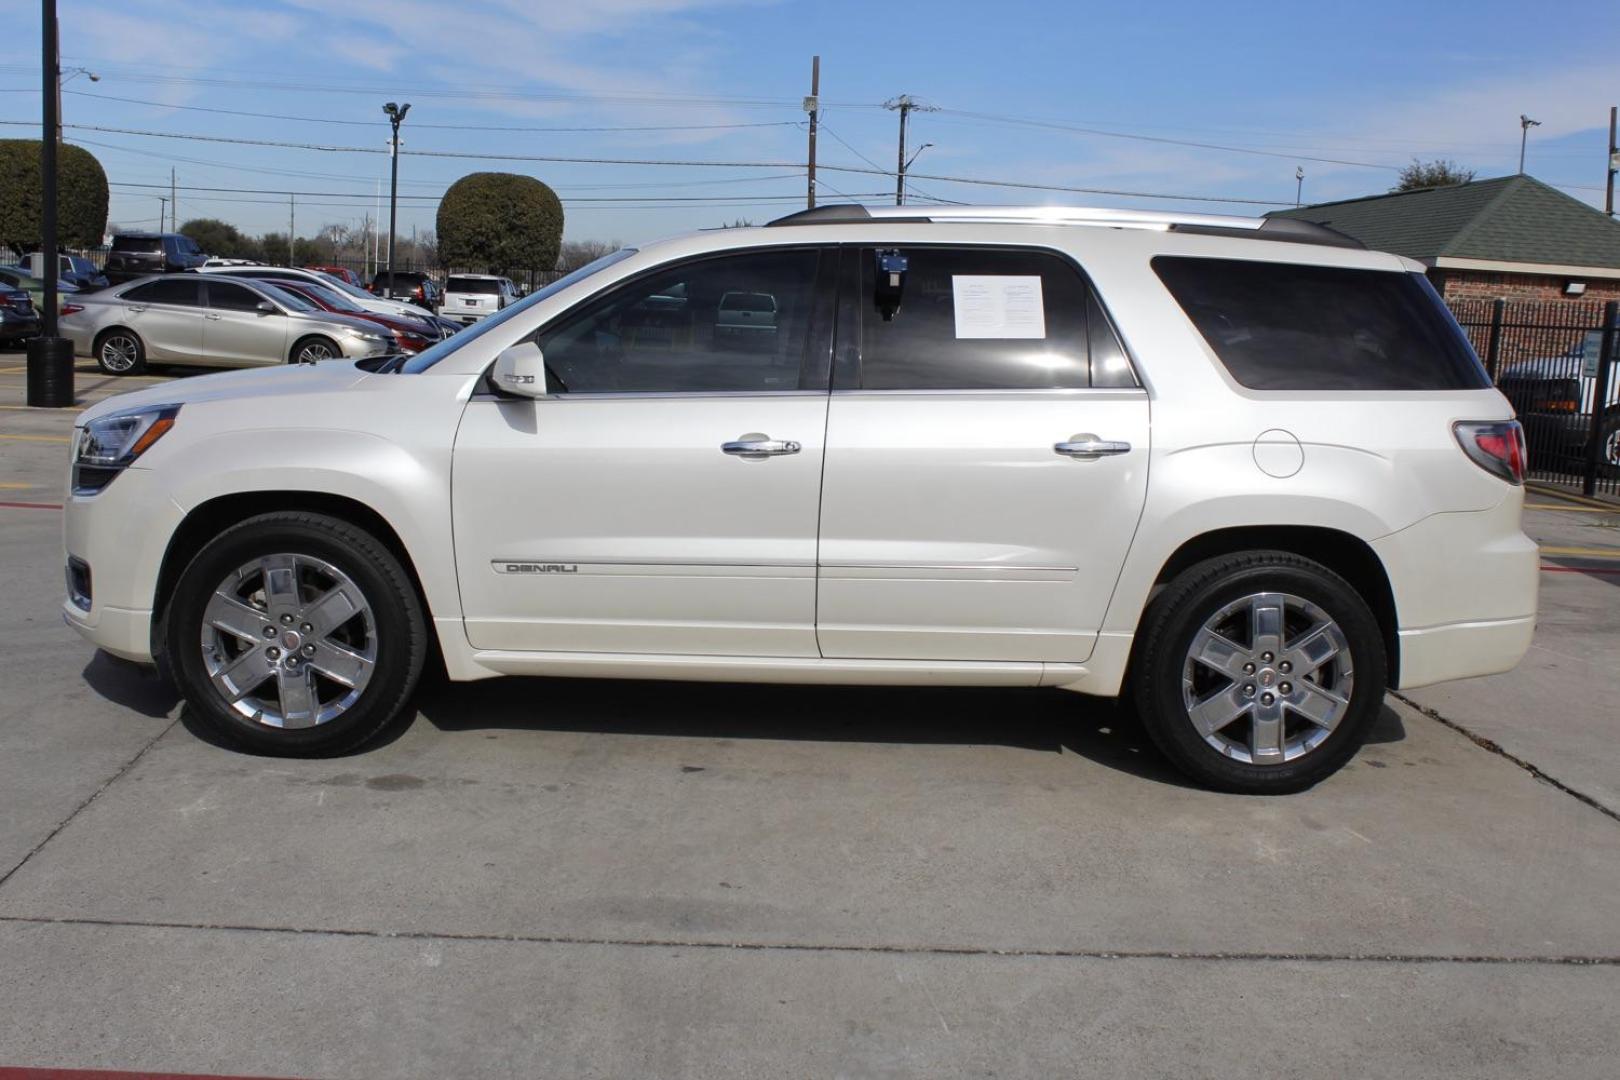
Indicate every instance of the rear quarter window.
{"type": "Point", "coordinates": [1283, 326]}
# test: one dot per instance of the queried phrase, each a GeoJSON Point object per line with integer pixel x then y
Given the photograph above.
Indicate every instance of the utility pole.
{"type": "Point", "coordinates": [1614, 165]}
{"type": "Point", "coordinates": [396, 117]}
{"type": "Point", "coordinates": [292, 228]}
{"type": "Point", "coordinates": [905, 104]}
{"type": "Point", "coordinates": [1299, 183]}
{"type": "Point", "coordinates": [812, 105]}
{"type": "Point", "coordinates": [1525, 124]}
{"type": "Point", "coordinates": [174, 203]}
{"type": "Point", "coordinates": [50, 357]}
{"type": "Point", "coordinates": [163, 204]}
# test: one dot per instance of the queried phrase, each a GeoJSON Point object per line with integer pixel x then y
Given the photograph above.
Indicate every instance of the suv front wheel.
{"type": "Point", "coordinates": [1259, 672]}
{"type": "Point", "coordinates": [295, 634]}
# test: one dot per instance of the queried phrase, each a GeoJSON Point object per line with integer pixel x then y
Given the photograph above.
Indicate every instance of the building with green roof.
{"type": "Point", "coordinates": [1510, 237]}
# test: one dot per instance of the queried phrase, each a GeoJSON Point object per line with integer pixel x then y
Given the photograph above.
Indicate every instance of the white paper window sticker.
{"type": "Point", "coordinates": [998, 306]}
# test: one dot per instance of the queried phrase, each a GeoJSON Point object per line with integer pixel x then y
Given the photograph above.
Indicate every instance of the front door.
{"type": "Point", "coordinates": [662, 497]}
{"type": "Point", "coordinates": [987, 450]}
{"type": "Point", "coordinates": [235, 331]}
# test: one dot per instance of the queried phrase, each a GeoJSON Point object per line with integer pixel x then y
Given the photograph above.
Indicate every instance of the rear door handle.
{"type": "Point", "coordinates": [1089, 447]}
{"type": "Point", "coordinates": [755, 445]}
{"type": "Point", "coordinates": [211, 316]}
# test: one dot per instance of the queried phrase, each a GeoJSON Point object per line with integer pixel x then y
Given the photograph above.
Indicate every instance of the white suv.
{"type": "Point", "coordinates": [1244, 472]}
{"type": "Point", "coordinates": [470, 297]}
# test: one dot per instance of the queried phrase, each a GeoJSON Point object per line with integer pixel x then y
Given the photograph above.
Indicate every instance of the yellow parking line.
{"type": "Point", "coordinates": [12, 370]}
{"type": "Point", "coordinates": [37, 438]}
{"type": "Point", "coordinates": [7, 485]}
{"type": "Point", "coordinates": [1591, 553]}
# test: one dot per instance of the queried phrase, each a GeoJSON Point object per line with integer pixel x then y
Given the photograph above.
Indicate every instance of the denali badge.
{"type": "Point", "coordinates": [502, 567]}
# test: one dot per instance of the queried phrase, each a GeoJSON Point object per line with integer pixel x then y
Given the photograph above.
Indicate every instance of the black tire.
{"type": "Point", "coordinates": [314, 341]}
{"type": "Point", "coordinates": [1197, 595]}
{"type": "Point", "coordinates": [1609, 446]}
{"type": "Point", "coordinates": [401, 643]}
{"type": "Point", "coordinates": [107, 345]}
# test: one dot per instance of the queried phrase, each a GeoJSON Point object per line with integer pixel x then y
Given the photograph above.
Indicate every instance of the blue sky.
{"type": "Point", "coordinates": [1374, 83]}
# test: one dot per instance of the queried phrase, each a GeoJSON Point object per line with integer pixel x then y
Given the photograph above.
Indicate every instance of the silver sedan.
{"type": "Point", "coordinates": [213, 322]}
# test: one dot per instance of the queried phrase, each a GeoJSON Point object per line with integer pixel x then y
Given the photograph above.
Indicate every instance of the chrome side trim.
{"type": "Point", "coordinates": [564, 568]}
{"type": "Point", "coordinates": [978, 572]}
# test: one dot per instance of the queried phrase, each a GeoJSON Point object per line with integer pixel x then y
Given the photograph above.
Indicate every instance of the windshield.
{"type": "Point", "coordinates": [330, 297]}
{"type": "Point", "coordinates": [287, 299]}
{"type": "Point", "coordinates": [428, 357]}
{"type": "Point", "coordinates": [344, 287]}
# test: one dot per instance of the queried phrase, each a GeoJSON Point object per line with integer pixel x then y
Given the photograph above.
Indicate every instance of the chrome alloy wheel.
{"type": "Point", "coordinates": [289, 641]}
{"type": "Point", "coordinates": [314, 351]}
{"type": "Point", "coordinates": [1267, 678]}
{"type": "Point", "coordinates": [119, 352]}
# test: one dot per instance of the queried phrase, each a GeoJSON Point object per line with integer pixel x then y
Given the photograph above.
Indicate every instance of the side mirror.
{"type": "Point", "coordinates": [265, 307]}
{"type": "Point", "coordinates": [520, 371]}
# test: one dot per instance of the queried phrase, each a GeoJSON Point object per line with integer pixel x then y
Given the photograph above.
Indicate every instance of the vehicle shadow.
{"type": "Point", "coordinates": [1040, 721]}
{"type": "Point", "coordinates": [131, 685]}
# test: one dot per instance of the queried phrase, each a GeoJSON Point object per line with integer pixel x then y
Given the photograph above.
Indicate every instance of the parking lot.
{"type": "Point", "coordinates": [571, 878]}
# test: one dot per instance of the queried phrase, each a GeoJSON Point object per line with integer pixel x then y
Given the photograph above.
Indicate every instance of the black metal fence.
{"type": "Point", "coordinates": [1555, 360]}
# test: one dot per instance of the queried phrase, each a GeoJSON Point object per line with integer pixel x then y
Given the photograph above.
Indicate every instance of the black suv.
{"type": "Point", "coordinates": [411, 286]}
{"type": "Point", "coordinates": [135, 255]}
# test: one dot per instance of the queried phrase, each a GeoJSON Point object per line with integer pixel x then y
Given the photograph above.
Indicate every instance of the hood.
{"type": "Point", "coordinates": [337, 322]}
{"type": "Point", "coordinates": [279, 381]}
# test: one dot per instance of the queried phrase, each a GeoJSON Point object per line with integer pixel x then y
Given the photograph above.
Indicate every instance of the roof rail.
{"type": "Point", "coordinates": [1286, 229]}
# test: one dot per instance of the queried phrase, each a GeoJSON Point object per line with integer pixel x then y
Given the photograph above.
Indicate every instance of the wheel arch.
{"type": "Point", "coordinates": [300, 341]}
{"type": "Point", "coordinates": [1347, 555]}
{"type": "Point", "coordinates": [208, 519]}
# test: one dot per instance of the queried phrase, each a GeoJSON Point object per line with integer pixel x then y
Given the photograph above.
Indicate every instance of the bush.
{"type": "Point", "coordinates": [81, 196]}
{"type": "Point", "coordinates": [500, 222]}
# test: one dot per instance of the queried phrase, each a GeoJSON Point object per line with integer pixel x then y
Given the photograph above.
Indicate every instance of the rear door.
{"type": "Point", "coordinates": [235, 331]}
{"type": "Point", "coordinates": [168, 316]}
{"type": "Point", "coordinates": [987, 450]}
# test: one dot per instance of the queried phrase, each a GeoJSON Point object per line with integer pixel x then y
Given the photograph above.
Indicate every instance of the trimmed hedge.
{"type": "Point", "coordinates": [81, 196]}
{"type": "Point", "coordinates": [501, 221]}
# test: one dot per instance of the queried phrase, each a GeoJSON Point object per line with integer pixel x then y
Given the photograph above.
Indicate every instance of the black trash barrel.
{"type": "Point", "coordinates": [50, 372]}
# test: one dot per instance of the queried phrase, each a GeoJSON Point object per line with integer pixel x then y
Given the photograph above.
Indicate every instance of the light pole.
{"type": "Point", "coordinates": [905, 104]}
{"type": "Point", "coordinates": [1525, 124]}
{"type": "Point", "coordinates": [1299, 183]}
{"type": "Point", "coordinates": [50, 358]}
{"type": "Point", "coordinates": [907, 168]}
{"type": "Point", "coordinates": [396, 117]}
{"type": "Point", "coordinates": [66, 75]}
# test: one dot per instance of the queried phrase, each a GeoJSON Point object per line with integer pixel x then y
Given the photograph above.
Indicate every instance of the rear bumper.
{"type": "Point", "coordinates": [1465, 588]}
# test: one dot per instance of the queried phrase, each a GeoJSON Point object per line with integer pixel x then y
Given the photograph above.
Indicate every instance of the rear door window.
{"type": "Point", "coordinates": [981, 319]}
{"type": "Point", "coordinates": [1282, 326]}
{"type": "Point", "coordinates": [179, 291]}
{"type": "Point", "coordinates": [228, 296]}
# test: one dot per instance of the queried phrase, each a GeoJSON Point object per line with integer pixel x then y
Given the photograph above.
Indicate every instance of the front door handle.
{"type": "Point", "coordinates": [1088, 447]}
{"type": "Point", "coordinates": [212, 317]}
{"type": "Point", "coordinates": [756, 445]}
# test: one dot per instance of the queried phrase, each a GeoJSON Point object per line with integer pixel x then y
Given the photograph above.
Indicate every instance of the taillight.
{"type": "Point", "coordinates": [1497, 446]}
{"type": "Point", "coordinates": [70, 309]}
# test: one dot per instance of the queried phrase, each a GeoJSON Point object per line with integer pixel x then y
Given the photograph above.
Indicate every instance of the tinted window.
{"type": "Point", "coordinates": [149, 244]}
{"type": "Point", "coordinates": [667, 332]}
{"type": "Point", "coordinates": [176, 290]}
{"type": "Point", "coordinates": [1278, 326]}
{"type": "Point", "coordinates": [983, 319]}
{"type": "Point", "coordinates": [485, 286]}
{"type": "Point", "coordinates": [231, 297]}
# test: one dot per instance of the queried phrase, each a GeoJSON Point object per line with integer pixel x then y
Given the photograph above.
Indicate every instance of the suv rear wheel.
{"type": "Point", "coordinates": [295, 634]}
{"type": "Point", "coordinates": [1260, 672]}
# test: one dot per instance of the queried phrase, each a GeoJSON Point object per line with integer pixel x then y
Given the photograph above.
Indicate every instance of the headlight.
{"type": "Point", "coordinates": [109, 443]}
{"type": "Point", "coordinates": [363, 335]}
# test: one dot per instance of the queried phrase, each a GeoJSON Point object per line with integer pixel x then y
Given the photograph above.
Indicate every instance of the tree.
{"type": "Point", "coordinates": [578, 253]}
{"type": "Point", "coordinates": [81, 196]}
{"type": "Point", "coordinates": [500, 222]}
{"type": "Point", "coordinates": [1432, 174]}
{"type": "Point", "coordinates": [221, 238]}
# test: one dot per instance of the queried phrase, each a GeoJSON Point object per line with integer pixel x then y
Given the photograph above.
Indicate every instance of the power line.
{"type": "Point", "coordinates": [367, 197]}
{"type": "Point", "coordinates": [444, 127]}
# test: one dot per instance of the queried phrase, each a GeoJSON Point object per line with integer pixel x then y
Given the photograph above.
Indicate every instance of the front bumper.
{"type": "Point", "coordinates": [121, 533]}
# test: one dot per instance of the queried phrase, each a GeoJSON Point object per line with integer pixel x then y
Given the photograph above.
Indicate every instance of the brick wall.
{"type": "Point", "coordinates": [1482, 285]}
